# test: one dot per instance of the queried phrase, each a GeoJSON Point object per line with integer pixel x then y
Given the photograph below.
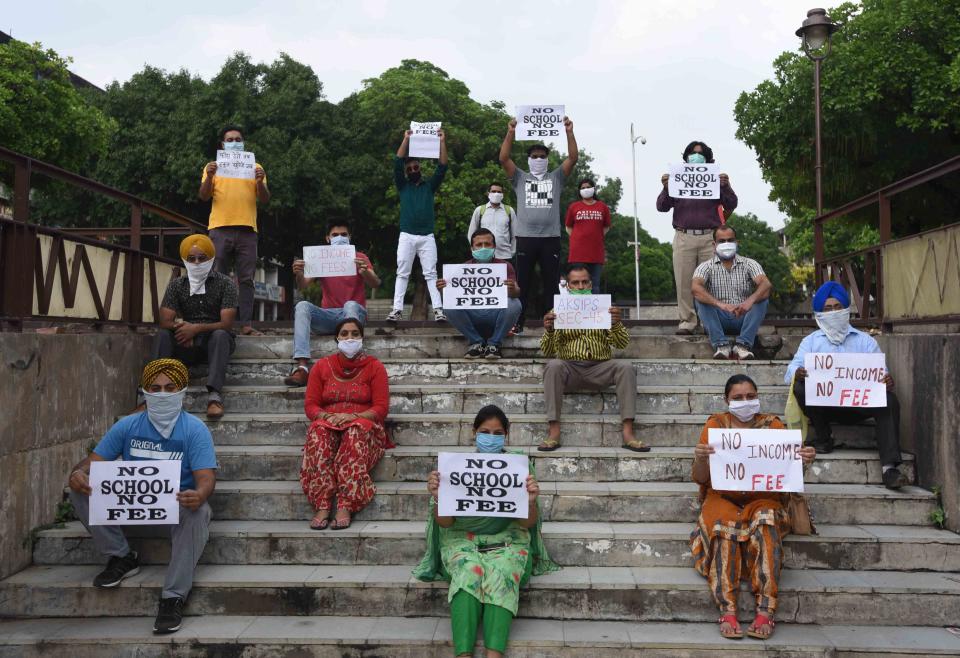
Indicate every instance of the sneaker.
{"type": "Point", "coordinates": [475, 351]}
{"type": "Point", "coordinates": [723, 352]}
{"type": "Point", "coordinates": [298, 377]}
{"type": "Point", "coordinates": [438, 315]}
{"type": "Point", "coordinates": [742, 352]}
{"type": "Point", "coordinates": [117, 569]}
{"type": "Point", "coordinates": [493, 353]}
{"type": "Point", "coordinates": [169, 616]}
{"type": "Point", "coordinates": [894, 479]}
{"type": "Point", "coordinates": [395, 316]}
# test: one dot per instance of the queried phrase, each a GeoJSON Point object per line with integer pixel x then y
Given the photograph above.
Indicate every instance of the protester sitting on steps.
{"type": "Point", "coordinates": [731, 294]}
{"type": "Point", "coordinates": [737, 528]}
{"type": "Point", "coordinates": [582, 360]}
{"type": "Point", "coordinates": [831, 306]}
{"type": "Point", "coordinates": [486, 329]}
{"type": "Point", "coordinates": [196, 318]}
{"type": "Point", "coordinates": [343, 297]}
{"type": "Point", "coordinates": [486, 560]}
{"type": "Point", "coordinates": [163, 429]}
{"type": "Point", "coordinates": [346, 403]}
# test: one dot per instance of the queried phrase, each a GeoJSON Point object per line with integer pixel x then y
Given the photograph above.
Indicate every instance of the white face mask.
{"type": "Point", "coordinates": [163, 410]}
{"type": "Point", "coordinates": [744, 410]}
{"type": "Point", "coordinates": [835, 324]}
{"type": "Point", "coordinates": [587, 192]}
{"type": "Point", "coordinates": [495, 197]}
{"type": "Point", "coordinates": [233, 146]}
{"type": "Point", "coordinates": [538, 166]}
{"type": "Point", "coordinates": [340, 240]}
{"type": "Point", "coordinates": [198, 273]}
{"type": "Point", "coordinates": [350, 347]}
{"type": "Point", "coordinates": [726, 250]}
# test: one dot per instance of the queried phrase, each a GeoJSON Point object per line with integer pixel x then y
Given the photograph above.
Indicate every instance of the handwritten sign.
{"type": "Point", "coordinates": [236, 164]}
{"type": "Point", "coordinates": [329, 260]}
{"type": "Point", "coordinates": [694, 181]}
{"type": "Point", "coordinates": [582, 311]}
{"type": "Point", "coordinates": [479, 484]}
{"type": "Point", "coordinates": [425, 140]}
{"type": "Point", "coordinates": [539, 122]}
{"type": "Point", "coordinates": [845, 380]}
{"type": "Point", "coordinates": [756, 460]}
{"type": "Point", "coordinates": [135, 492]}
{"type": "Point", "coordinates": [477, 286]}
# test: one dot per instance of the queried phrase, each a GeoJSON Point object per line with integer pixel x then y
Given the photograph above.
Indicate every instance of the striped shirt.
{"type": "Point", "coordinates": [729, 286]}
{"type": "Point", "coordinates": [584, 344]}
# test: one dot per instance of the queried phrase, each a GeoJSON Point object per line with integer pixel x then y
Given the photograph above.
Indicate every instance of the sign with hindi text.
{"type": "Point", "coordinates": [236, 164]}
{"type": "Point", "coordinates": [425, 140]}
{"type": "Point", "coordinates": [135, 492]}
{"type": "Point", "coordinates": [479, 286]}
{"type": "Point", "coordinates": [582, 311]}
{"type": "Point", "coordinates": [483, 484]}
{"type": "Point", "coordinates": [539, 122]}
{"type": "Point", "coordinates": [694, 181]}
{"type": "Point", "coordinates": [756, 460]}
{"type": "Point", "coordinates": [845, 379]}
{"type": "Point", "coordinates": [329, 260]}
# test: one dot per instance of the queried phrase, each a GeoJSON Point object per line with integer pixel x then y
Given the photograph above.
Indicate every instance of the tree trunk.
{"type": "Point", "coordinates": [419, 298]}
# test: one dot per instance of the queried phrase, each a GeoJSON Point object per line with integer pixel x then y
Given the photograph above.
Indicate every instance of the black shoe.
{"type": "Point", "coordinates": [169, 616]}
{"type": "Point", "coordinates": [117, 569]}
{"type": "Point", "coordinates": [493, 352]}
{"type": "Point", "coordinates": [894, 479]}
{"type": "Point", "coordinates": [823, 447]}
{"type": "Point", "coordinates": [517, 330]}
{"type": "Point", "coordinates": [475, 351]}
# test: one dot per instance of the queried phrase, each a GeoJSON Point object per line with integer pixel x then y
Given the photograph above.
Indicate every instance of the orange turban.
{"type": "Point", "coordinates": [197, 240]}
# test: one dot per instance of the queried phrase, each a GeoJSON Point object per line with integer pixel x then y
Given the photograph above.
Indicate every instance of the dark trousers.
{"type": "Point", "coordinates": [237, 245]}
{"type": "Point", "coordinates": [887, 421]}
{"type": "Point", "coordinates": [213, 348]}
{"type": "Point", "coordinates": [546, 253]}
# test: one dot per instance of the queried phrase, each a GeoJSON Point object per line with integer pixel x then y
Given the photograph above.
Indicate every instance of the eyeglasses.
{"type": "Point", "coordinates": [202, 258]}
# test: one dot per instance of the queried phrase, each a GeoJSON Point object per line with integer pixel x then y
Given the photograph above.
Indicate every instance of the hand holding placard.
{"type": "Point", "coordinates": [582, 312]}
{"type": "Point", "coordinates": [483, 484]}
{"type": "Point", "coordinates": [475, 286]}
{"type": "Point", "coordinates": [756, 460]}
{"type": "Point", "coordinates": [694, 181]}
{"type": "Point", "coordinates": [539, 122]}
{"type": "Point", "coordinates": [424, 139]}
{"type": "Point", "coordinates": [236, 164]}
{"type": "Point", "coordinates": [845, 379]}
{"type": "Point", "coordinates": [135, 492]}
{"type": "Point", "coordinates": [329, 260]}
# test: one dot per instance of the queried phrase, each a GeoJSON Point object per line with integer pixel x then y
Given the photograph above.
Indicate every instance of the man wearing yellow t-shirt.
{"type": "Point", "coordinates": [233, 222]}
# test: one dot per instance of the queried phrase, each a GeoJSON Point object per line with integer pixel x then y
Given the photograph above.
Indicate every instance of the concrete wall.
{"type": "Point", "coordinates": [57, 393]}
{"type": "Point", "coordinates": [927, 371]}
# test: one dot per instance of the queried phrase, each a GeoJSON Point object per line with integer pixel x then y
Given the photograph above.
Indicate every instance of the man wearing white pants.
{"type": "Point", "coordinates": [417, 222]}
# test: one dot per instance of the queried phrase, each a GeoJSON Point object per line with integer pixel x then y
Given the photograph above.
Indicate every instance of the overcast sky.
{"type": "Point", "coordinates": [673, 68]}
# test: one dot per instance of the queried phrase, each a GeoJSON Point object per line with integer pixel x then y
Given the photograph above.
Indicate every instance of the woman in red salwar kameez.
{"type": "Point", "coordinates": [347, 401]}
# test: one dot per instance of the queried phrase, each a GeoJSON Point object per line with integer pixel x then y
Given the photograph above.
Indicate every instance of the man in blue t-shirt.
{"type": "Point", "coordinates": [164, 431]}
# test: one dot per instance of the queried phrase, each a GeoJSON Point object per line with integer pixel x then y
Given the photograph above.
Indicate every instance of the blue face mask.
{"type": "Point", "coordinates": [696, 158]}
{"type": "Point", "coordinates": [484, 255]}
{"type": "Point", "coordinates": [340, 240]}
{"type": "Point", "coordinates": [490, 442]}
{"type": "Point", "coordinates": [233, 146]}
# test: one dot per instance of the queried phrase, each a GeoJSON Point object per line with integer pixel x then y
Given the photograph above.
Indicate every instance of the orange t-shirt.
{"type": "Point", "coordinates": [234, 201]}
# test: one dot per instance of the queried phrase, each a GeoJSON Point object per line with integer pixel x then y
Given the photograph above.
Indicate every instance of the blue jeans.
{"type": "Point", "coordinates": [489, 326]}
{"type": "Point", "coordinates": [595, 269]}
{"type": "Point", "coordinates": [310, 318]}
{"type": "Point", "coordinates": [719, 323]}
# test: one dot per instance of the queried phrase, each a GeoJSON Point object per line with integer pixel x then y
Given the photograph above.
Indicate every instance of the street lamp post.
{"type": "Point", "coordinates": [636, 218]}
{"type": "Point", "coordinates": [817, 31]}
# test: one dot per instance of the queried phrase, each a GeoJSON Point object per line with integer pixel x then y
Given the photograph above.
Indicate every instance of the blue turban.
{"type": "Point", "coordinates": [828, 290]}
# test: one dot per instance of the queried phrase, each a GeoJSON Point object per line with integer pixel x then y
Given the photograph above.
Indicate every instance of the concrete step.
{"type": "Point", "coordinates": [414, 463]}
{"type": "Point", "coordinates": [512, 398]}
{"type": "Point", "coordinates": [240, 427]}
{"type": "Point", "coordinates": [580, 544]}
{"type": "Point", "coordinates": [450, 345]}
{"type": "Point", "coordinates": [429, 637]}
{"type": "Point", "coordinates": [673, 372]}
{"type": "Point", "coordinates": [585, 593]}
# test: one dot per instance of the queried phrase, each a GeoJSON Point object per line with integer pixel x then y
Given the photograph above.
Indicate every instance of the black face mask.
{"type": "Point", "coordinates": [414, 177]}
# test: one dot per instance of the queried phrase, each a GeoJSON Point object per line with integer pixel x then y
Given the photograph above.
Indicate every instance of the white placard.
{"type": "Point", "coordinates": [582, 311]}
{"type": "Point", "coordinates": [475, 286]}
{"type": "Point", "coordinates": [329, 260]}
{"type": "Point", "coordinates": [845, 379]}
{"type": "Point", "coordinates": [135, 492]}
{"type": "Point", "coordinates": [694, 181]}
{"type": "Point", "coordinates": [756, 460]}
{"type": "Point", "coordinates": [482, 484]}
{"type": "Point", "coordinates": [236, 164]}
{"type": "Point", "coordinates": [425, 140]}
{"type": "Point", "coordinates": [539, 122]}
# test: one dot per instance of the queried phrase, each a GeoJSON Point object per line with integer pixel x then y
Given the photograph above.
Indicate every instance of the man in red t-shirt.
{"type": "Point", "coordinates": [343, 297]}
{"type": "Point", "coordinates": [587, 222]}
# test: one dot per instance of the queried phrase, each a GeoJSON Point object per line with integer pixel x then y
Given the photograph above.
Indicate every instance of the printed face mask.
{"type": "Point", "coordinates": [587, 192]}
{"type": "Point", "coordinates": [163, 410]}
{"type": "Point", "coordinates": [696, 158]}
{"type": "Point", "coordinates": [495, 197]}
{"type": "Point", "coordinates": [490, 442]}
{"type": "Point", "coordinates": [350, 347]}
{"type": "Point", "coordinates": [340, 240]}
{"type": "Point", "coordinates": [233, 146]}
{"type": "Point", "coordinates": [484, 255]}
{"type": "Point", "coordinates": [744, 410]}
{"type": "Point", "coordinates": [538, 166]}
{"type": "Point", "coordinates": [197, 273]}
{"type": "Point", "coordinates": [835, 324]}
{"type": "Point", "coordinates": [726, 250]}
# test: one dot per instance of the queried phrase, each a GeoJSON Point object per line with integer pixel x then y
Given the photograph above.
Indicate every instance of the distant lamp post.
{"type": "Point", "coordinates": [636, 218]}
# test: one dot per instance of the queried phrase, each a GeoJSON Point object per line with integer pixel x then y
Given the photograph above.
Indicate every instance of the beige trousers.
{"type": "Point", "coordinates": [688, 252]}
{"type": "Point", "coordinates": [560, 376]}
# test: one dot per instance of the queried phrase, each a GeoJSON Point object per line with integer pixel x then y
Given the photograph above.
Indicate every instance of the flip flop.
{"type": "Point", "coordinates": [338, 524]}
{"type": "Point", "coordinates": [318, 523]}
{"type": "Point", "coordinates": [636, 445]}
{"type": "Point", "coordinates": [548, 445]}
{"type": "Point", "coordinates": [736, 633]}
{"type": "Point", "coordinates": [761, 620]}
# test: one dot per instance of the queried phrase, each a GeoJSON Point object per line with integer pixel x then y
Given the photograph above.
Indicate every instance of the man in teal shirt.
{"type": "Point", "coordinates": [416, 224]}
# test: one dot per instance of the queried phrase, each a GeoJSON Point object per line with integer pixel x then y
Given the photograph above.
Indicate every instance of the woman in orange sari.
{"type": "Point", "coordinates": [740, 528]}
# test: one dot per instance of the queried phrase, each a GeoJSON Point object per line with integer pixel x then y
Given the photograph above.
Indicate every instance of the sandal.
{"type": "Point", "coordinates": [548, 445]}
{"type": "Point", "coordinates": [320, 523]}
{"type": "Point", "coordinates": [341, 524]}
{"type": "Point", "coordinates": [761, 620]}
{"type": "Point", "coordinates": [250, 331]}
{"type": "Point", "coordinates": [736, 633]}
{"type": "Point", "coordinates": [636, 445]}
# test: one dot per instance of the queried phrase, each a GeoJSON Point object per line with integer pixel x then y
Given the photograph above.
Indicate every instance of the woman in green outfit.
{"type": "Point", "coordinates": [485, 559]}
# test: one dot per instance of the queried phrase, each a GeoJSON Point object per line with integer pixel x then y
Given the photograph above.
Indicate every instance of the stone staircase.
{"type": "Point", "coordinates": [877, 580]}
